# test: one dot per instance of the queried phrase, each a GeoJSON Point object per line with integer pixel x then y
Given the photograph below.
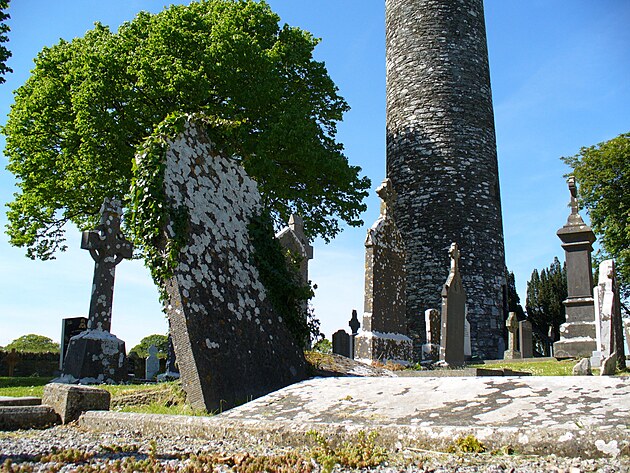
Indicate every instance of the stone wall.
{"type": "Point", "coordinates": [441, 158]}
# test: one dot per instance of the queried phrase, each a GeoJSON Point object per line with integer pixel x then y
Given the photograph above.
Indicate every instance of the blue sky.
{"type": "Point", "coordinates": [559, 73]}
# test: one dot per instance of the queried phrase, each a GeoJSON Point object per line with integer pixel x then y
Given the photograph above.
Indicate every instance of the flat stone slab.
{"type": "Point", "coordinates": [20, 401]}
{"type": "Point", "coordinates": [568, 416]}
{"type": "Point", "coordinates": [27, 417]}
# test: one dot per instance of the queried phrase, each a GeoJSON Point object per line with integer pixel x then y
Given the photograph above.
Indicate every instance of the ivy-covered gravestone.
{"type": "Point", "coordinates": [196, 209]}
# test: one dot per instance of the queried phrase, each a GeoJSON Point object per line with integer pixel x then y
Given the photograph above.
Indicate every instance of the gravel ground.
{"type": "Point", "coordinates": [23, 451]}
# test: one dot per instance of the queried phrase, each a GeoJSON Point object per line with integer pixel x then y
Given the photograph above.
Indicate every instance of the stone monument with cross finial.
{"type": "Point", "coordinates": [96, 355]}
{"type": "Point", "coordinates": [453, 314]}
{"type": "Point", "coordinates": [577, 334]}
{"type": "Point", "coordinates": [384, 333]}
{"type": "Point", "coordinates": [512, 352]}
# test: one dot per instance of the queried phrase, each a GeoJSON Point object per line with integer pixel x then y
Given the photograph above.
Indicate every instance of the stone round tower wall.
{"type": "Point", "coordinates": [442, 160]}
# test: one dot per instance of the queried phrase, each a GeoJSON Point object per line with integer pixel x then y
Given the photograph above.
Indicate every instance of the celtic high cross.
{"type": "Point", "coordinates": [108, 247]}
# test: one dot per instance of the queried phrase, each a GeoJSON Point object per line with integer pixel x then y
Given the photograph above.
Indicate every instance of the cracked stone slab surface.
{"type": "Point", "coordinates": [569, 416]}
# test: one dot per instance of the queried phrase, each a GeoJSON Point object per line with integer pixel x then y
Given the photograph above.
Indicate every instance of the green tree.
{"type": "Point", "coordinates": [89, 104]}
{"type": "Point", "coordinates": [5, 54]}
{"type": "Point", "coordinates": [160, 342]}
{"type": "Point", "coordinates": [545, 293]}
{"type": "Point", "coordinates": [514, 301]}
{"type": "Point", "coordinates": [602, 173]}
{"type": "Point", "coordinates": [33, 343]}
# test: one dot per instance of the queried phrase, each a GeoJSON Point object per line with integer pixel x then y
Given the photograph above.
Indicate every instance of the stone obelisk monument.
{"type": "Point", "coordinates": [442, 160]}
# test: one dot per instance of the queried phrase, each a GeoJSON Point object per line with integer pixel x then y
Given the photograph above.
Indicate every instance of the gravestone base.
{"type": "Point", "coordinates": [512, 355]}
{"type": "Point", "coordinates": [376, 346]}
{"type": "Point", "coordinates": [94, 357]}
{"type": "Point", "coordinates": [578, 338]}
{"type": "Point", "coordinates": [574, 348]}
{"type": "Point", "coordinates": [430, 352]}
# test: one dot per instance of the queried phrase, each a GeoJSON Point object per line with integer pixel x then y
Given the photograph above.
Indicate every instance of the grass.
{"type": "Point", "coordinates": [161, 398]}
{"type": "Point", "coordinates": [536, 368]}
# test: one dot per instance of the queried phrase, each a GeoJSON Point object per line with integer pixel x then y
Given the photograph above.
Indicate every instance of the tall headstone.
{"type": "Point", "coordinates": [231, 344]}
{"type": "Point", "coordinates": [453, 314]}
{"type": "Point", "coordinates": [293, 239]}
{"type": "Point", "coordinates": [354, 325]}
{"type": "Point", "coordinates": [608, 321]}
{"type": "Point", "coordinates": [577, 335]}
{"type": "Point", "coordinates": [442, 160]}
{"type": "Point", "coordinates": [341, 343]}
{"type": "Point", "coordinates": [69, 328]}
{"type": "Point", "coordinates": [96, 355]}
{"type": "Point", "coordinates": [384, 335]}
{"type": "Point", "coordinates": [152, 363]}
{"type": "Point", "coordinates": [467, 340]}
{"type": "Point", "coordinates": [526, 342]}
{"type": "Point", "coordinates": [433, 324]}
{"type": "Point", "coordinates": [512, 352]}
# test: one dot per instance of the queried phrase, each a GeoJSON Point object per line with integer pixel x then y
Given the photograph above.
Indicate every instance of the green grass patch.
{"type": "Point", "coordinates": [23, 386]}
{"type": "Point", "coordinates": [536, 368]}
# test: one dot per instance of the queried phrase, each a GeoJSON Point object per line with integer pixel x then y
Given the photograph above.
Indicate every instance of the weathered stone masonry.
{"type": "Point", "coordinates": [441, 158]}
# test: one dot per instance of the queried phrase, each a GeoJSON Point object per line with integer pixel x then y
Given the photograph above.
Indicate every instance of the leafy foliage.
{"type": "Point", "coordinates": [160, 342]}
{"type": "Point", "coordinates": [603, 176]}
{"type": "Point", "coordinates": [5, 54]}
{"type": "Point", "coordinates": [545, 293]}
{"type": "Point", "coordinates": [33, 343]}
{"type": "Point", "coordinates": [361, 452]}
{"type": "Point", "coordinates": [323, 346]}
{"type": "Point", "coordinates": [89, 103]}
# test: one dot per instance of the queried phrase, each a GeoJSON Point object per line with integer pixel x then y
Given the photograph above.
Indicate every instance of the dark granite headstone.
{"type": "Point", "coordinates": [453, 314]}
{"type": "Point", "coordinates": [512, 352]}
{"type": "Point", "coordinates": [577, 335]}
{"type": "Point", "coordinates": [526, 346]}
{"type": "Point", "coordinates": [69, 328]}
{"type": "Point", "coordinates": [231, 345]}
{"type": "Point", "coordinates": [171, 359]}
{"type": "Point", "coordinates": [384, 335]}
{"type": "Point", "coordinates": [341, 343]}
{"type": "Point", "coordinates": [96, 355]}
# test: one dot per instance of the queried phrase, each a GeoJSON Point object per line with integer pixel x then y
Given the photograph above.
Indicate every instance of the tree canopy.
{"type": "Point", "coordinates": [33, 343]}
{"type": "Point", "coordinates": [89, 103]}
{"type": "Point", "coordinates": [4, 29]}
{"type": "Point", "coordinates": [602, 173]}
{"type": "Point", "coordinates": [159, 341]}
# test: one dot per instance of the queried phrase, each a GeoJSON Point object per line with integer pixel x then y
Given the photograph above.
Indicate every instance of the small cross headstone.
{"type": "Point", "coordinates": [96, 355]}
{"type": "Point", "coordinates": [341, 343]}
{"type": "Point", "coordinates": [152, 366]}
{"type": "Point", "coordinates": [453, 314]}
{"type": "Point", "coordinates": [525, 339]}
{"type": "Point", "coordinates": [354, 325]}
{"type": "Point", "coordinates": [512, 352]}
{"type": "Point", "coordinates": [11, 359]}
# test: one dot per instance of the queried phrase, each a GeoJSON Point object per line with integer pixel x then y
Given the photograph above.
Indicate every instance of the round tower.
{"type": "Point", "coordinates": [442, 160]}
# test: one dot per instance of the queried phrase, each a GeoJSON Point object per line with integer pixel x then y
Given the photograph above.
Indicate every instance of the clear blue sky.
{"type": "Point", "coordinates": [560, 78]}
